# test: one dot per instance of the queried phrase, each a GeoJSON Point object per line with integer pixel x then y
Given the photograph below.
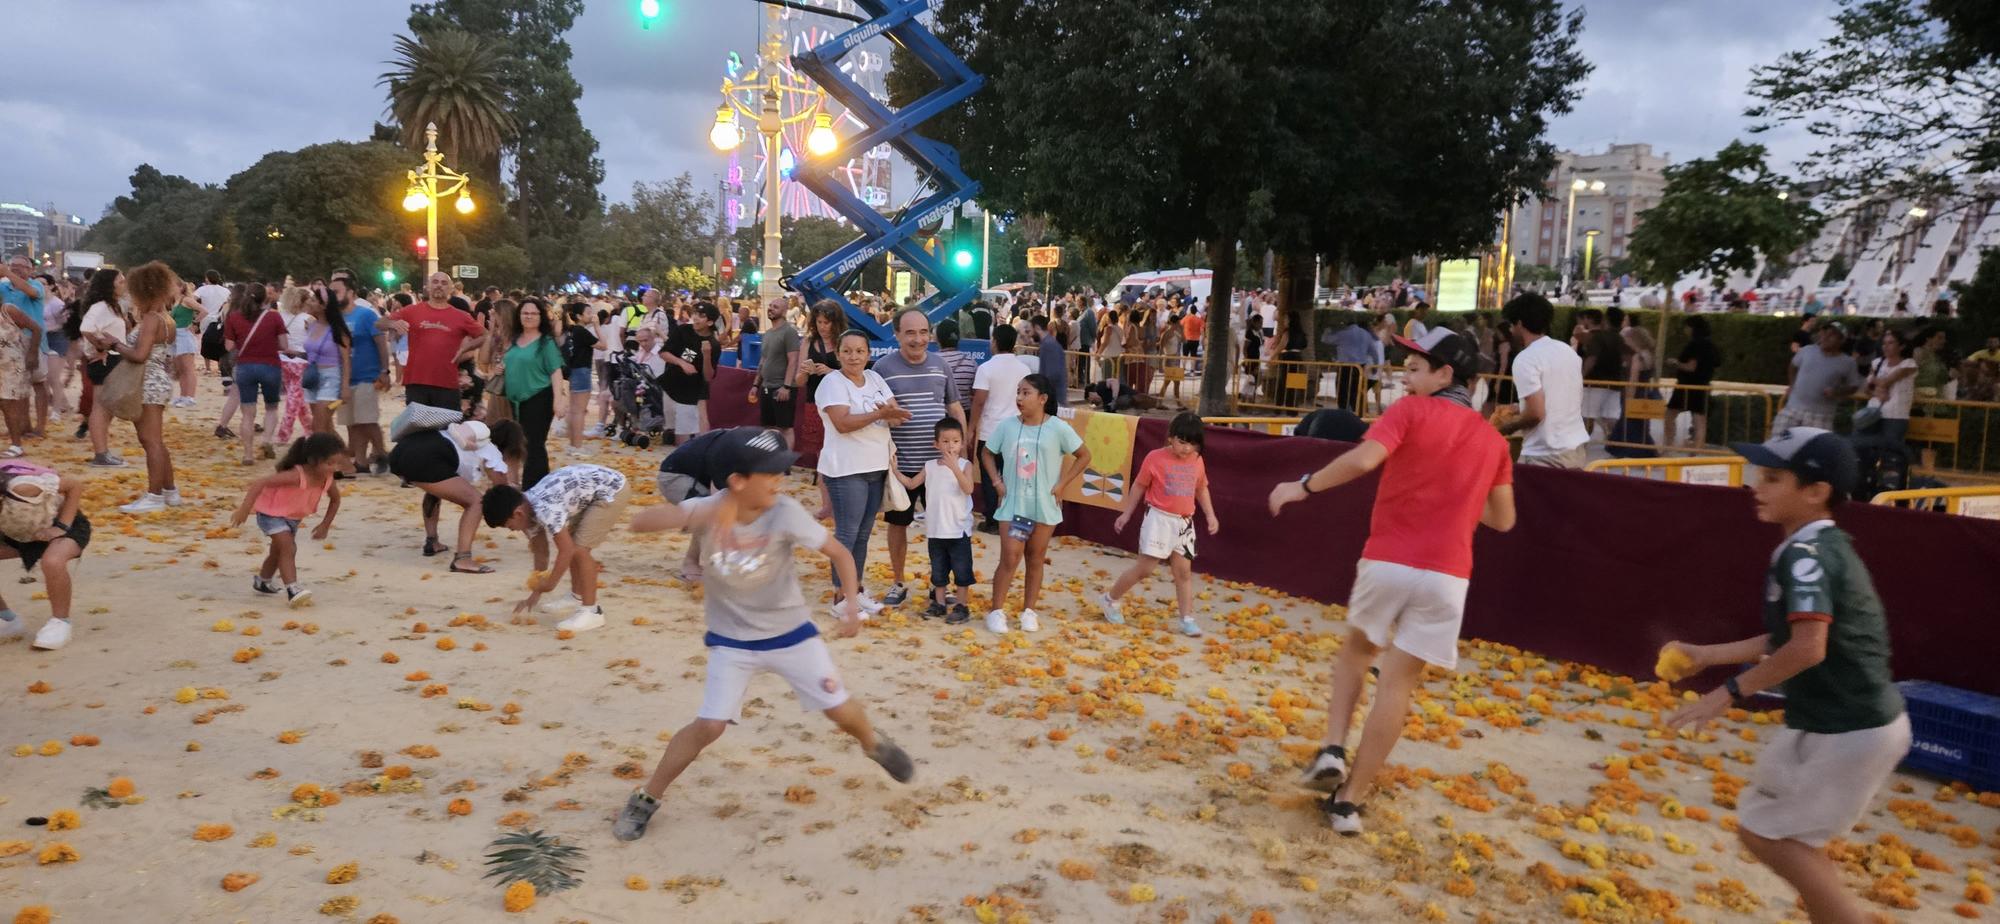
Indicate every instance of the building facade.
{"type": "Point", "coordinates": [29, 230]}
{"type": "Point", "coordinates": [1633, 179]}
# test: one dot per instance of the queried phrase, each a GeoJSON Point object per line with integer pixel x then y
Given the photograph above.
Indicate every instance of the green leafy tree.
{"type": "Point", "coordinates": [1900, 101]}
{"type": "Point", "coordinates": [556, 167]}
{"type": "Point", "coordinates": [325, 206]}
{"type": "Point", "coordinates": [1231, 122]}
{"type": "Point", "coordinates": [451, 79]}
{"type": "Point", "coordinates": [168, 218]}
{"type": "Point", "coordinates": [1979, 299]}
{"type": "Point", "coordinates": [1719, 215]}
{"type": "Point", "coordinates": [666, 225]}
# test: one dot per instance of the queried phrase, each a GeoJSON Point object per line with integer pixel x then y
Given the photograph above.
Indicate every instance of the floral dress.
{"type": "Point", "coordinates": [13, 362]}
{"type": "Point", "coordinates": [158, 385]}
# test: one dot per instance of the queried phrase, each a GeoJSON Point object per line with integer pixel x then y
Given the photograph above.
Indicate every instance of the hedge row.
{"type": "Point", "coordinates": [1755, 347]}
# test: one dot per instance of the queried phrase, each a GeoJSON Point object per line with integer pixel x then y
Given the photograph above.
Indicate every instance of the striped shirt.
{"type": "Point", "coordinates": [926, 390]}
{"type": "Point", "coordinates": [962, 367]}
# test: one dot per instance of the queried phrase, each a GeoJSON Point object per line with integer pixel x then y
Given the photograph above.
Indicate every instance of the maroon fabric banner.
{"type": "Point", "coordinates": [1599, 568]}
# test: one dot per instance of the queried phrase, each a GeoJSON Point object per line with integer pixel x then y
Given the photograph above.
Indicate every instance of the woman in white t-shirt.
{"type": "Point", "coordinates": [1891, 387]}
{"type": "Point", "coordinates": [857, 409]}
{"type": "Point", "coordinates": [103, 334]}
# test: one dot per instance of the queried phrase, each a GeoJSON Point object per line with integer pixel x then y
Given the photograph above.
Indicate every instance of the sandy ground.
{"type": "Point", "coordinates": [1086, 773]}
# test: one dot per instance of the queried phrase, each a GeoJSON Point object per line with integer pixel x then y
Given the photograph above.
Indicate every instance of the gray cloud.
{"type": "Point", "coordinates": [203, 88]}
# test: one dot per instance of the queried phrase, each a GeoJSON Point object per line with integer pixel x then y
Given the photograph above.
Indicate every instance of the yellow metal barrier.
{"type": "Point", "coordinates": [1713, 470]}
{"type": "Point", "coordinates": [1982, 502]}
{"type": "Point", "coordinates": [1279, 426]}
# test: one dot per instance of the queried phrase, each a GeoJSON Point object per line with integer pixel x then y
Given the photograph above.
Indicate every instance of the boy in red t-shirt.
{"type": "Point", "coordinates": [1451, 474]}
{"type": "Point", "coordinates": [1172, 481]}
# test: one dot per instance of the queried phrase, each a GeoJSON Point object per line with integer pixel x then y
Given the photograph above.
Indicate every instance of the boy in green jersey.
{"type": "Point", "coordinates": [1826, 645]}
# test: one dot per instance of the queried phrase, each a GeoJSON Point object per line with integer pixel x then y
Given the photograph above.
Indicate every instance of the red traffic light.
{"type": "Point", "coordinates": [423, 245]}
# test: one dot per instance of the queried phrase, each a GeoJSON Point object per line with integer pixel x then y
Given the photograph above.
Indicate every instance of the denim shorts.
{"type": "Point", "coordinates": [329, 385]}
{"type": "Point", "coordinates": [271, 526]}
{"type": "Point", "coordinates": [254, 377]}
{"type": "Point", "coordinates": [951, 559]}
{"type": "Point", "coordinates": [579, 381]}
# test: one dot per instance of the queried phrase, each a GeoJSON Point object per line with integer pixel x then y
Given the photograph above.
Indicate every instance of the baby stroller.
{"type": "Point", "coordinates": [639, 413]}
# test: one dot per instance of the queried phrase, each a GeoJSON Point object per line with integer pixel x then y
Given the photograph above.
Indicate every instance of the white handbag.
{"type": "Point", "coordinates": [894, 498]}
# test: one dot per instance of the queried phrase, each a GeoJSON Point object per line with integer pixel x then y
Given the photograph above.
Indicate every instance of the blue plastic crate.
{"type": "Point", "coordinates": [1956, 733]}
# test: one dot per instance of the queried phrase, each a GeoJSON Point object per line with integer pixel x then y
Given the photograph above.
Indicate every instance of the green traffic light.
{"type": "Point", "coordinates": [649, 13]}
{"type": "Point", "coordinates": [962, 258]}
{"type": "Point", "coordinates": [388, 277]}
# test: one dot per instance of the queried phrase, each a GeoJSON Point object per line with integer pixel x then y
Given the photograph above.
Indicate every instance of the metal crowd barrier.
{"type": "Point", "coordinates": [1982, 501]}
{"type": "Point", "coordinates": [1714, 470]}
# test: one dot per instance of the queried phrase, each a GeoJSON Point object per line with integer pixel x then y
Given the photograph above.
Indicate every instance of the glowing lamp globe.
{"type": "Point", "coordinates": [725, 136]}
{"type": "Point", "coordinates": [464, 204]}
{"type": "Point", "coordinates": [414, 201]}
{"type": "Point", "coordinates": [822, 141]}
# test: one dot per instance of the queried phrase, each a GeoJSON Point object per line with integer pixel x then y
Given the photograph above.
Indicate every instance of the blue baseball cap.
{"type": "Point", "coordinates": [1809, 452]}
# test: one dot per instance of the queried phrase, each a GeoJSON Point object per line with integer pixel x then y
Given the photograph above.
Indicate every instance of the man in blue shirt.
{"type": "Point", "coordinates": [362, 414]}
{"type": "Point", "coordinates": [22, 291]}
{"type": "Point", "coordinates": [1054, 362]}
{"type": "Point", "coordinates": [1354, 344]}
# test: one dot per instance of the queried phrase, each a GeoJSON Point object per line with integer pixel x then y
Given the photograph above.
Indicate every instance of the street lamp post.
{"type": "Point", "coordinates": [771, 122]}
{"type": "Point", "coordinates": [1569, 223]}
{"type": "Point", "coordinates": [1589, 241]}
{"type": "Point", "coordinates": [428, 184]}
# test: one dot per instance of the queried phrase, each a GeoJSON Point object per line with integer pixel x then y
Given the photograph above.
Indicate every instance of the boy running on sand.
{"type": "Point", "coordinates": [1450, 474]}
{"type": "Point", "coordinates": [758, 620]}
{"type": "Point", "coordinates": [1826, 644]}
{"type": "Point", "coordinates": [1171, 481]}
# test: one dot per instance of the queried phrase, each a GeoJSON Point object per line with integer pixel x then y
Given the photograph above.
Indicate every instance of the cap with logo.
{"type": "Point", "coordinates": [754, 451]}
{"type": "Point", "coordinates": [1445, 348]}
{"type": "Point", "coordinates": [1811, 453]}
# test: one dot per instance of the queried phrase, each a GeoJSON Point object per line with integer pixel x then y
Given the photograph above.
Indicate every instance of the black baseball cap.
{"type": "Point", "coordinates": [1809, 452]}
{"type": "Point", "coordinates": [754, 451]}
{"type": "Point", "coordinates": [1445, 348]}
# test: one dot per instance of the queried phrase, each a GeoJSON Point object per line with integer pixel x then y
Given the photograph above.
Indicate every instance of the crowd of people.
{"type": "Point", "coordinates": [485, 383]}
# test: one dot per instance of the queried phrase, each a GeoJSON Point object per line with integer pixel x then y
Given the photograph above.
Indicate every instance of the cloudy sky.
{"type": "Point", "coordinates": [202, 88]}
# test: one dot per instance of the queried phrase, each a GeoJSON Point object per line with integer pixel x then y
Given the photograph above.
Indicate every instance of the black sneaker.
{"type": "Point", "coordinates": [1327, 771]}
{"type": "Point", "coordinates": [990, 527]}
{"type": "Point", "coordinates": [1344, 816]}
{"type": "Point", "coordinates": [892, 759]}
{"type": "Point", "coordinates": [632, 819]}
{"type": "Point", "coordinates": [959, 614]}
{"type": "Point", "coordinates": [264, 586]}
{"type": "Point", "coordinates": [934, 611]}
{"type": "Point", "coordinates": [896, 595]}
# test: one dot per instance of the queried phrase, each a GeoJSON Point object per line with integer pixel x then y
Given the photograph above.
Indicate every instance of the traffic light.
{"type": "Point", "coordinates": [756, 278]}
{"type": "Point", "coordinates": [649, 13]}
{"type": "Point", "coordinates": [423, 245]}
{"type": "Point", "coordinates": [388, 271]}
{"type": "Point", "coordinates": [963, 258]}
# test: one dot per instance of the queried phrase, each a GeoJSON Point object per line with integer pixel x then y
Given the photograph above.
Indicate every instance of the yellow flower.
{"type": "Point", "coordinates": [64, 820]}
{"type": "Point", "coordinates": [519, 897]}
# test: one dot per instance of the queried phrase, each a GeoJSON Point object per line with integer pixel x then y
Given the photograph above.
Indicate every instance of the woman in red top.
{"type": "Point", "coordinates": [256, 336]}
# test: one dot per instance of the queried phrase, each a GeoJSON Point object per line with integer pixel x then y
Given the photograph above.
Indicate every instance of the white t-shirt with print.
{"type": "Point", "coordinates": [1550, 368]}
{"type": "Point", "coordinates": [866, 449]}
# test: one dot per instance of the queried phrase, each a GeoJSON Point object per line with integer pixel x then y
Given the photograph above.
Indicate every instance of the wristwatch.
{"type": "Point", "coordinates": [1305, 482]}
{"type": "Point", "coordinates": [1735, 691]}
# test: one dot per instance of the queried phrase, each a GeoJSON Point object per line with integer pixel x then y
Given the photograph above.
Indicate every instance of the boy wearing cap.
{"type": "Point", "coordinates": [758, 620]}
{"type": "Point", "coordinates": [1826, 644]}
{"type": "Point", "coordinates": [575, 508]}
{"type": "Point", "coordinates": [1446, 472]}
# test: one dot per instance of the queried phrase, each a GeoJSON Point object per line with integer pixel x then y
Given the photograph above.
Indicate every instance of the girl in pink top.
{"type": "Point", "coordinates": [282, 499]}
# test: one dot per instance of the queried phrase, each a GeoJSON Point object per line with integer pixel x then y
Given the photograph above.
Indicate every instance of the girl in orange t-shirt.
{"type": "Point", "coordinates": [282, 499]}
{"type": "Point", "coordinates": [1172, 481]}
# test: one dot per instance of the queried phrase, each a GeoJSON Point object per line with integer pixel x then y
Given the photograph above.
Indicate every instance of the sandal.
{"type": "Point", "coordinates": [224, 433]}
{"type": "Point", "coordinates": [433, 547]}
{"type": "Point", "coordinates": [467, 557]}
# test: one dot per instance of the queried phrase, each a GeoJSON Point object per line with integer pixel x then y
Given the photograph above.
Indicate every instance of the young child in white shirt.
{"type": "Point", "coordinates": [947, 483]}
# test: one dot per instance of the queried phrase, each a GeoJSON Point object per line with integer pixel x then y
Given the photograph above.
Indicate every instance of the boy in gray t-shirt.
{"type": "Point", "coordinates": [758, 621]}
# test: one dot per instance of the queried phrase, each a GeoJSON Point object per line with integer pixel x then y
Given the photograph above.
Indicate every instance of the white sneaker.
{"type": "Point", "coordinates": [147, 503]}
{"type": "Point", "coordinates": [1190, 628]}
{"type": "Point", "coordinates": [173, 497]}
{"type": "Point", "coordinates": [569, 601]}
{"type": "Point", "coordinates": [11, 629]}
{"type": "Point", "coordinates": [1030, 622]}
{"type": "Point", "coordinates": [585, 618]}
{"type": "Point", "coordinates": [996, 622]}
{"type": "Point", "coordinates": [54, 634]}
{"type": "Point", "coordinates": [1112, 614]}
{"type": "Point", "coordinates": [593, 431]}
{"type": "Point", "coordinates": [1344, 817]}
{"type": "Point", "coordinates": [869, 605]}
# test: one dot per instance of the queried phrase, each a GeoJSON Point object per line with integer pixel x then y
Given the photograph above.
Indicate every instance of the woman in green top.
{"type": "Point", "coordinates": [533, 362]}
{"type": "Point", "coordinates": [188, 317]}
{"type": "Point", "coordinates": [1932, 370]}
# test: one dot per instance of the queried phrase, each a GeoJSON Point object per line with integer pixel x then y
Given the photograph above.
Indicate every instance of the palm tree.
{"type": "Point", "coordinates": [451, 78]}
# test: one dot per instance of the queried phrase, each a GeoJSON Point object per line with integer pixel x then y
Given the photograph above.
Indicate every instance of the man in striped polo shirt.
{"type": "Point", "coordinates": [924, 387]}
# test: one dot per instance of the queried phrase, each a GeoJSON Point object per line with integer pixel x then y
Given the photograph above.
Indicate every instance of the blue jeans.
{"type": "Point", "coordinates": [252, 378]}
{"type": "Point", "coordinates": [856, 499]}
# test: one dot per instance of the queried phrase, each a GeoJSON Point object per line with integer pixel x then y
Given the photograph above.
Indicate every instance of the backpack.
{"type": "Point", "coordinates": [212, 347]}
{"type": "Point", "coordinates": [30, 496]}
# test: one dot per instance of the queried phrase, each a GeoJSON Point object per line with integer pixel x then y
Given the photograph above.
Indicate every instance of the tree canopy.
{"type": "Point", "coordinates": [450, 79]}
{"type": "Point", "coordinates": [667, 226]}
{"type": "Point", "coordinates": [1719, 215]}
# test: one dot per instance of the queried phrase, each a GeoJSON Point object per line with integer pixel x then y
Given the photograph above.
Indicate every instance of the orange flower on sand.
{"type": "Point", "coordinates": [119, 788]}
{"type": "Point", "coordinates": [213, 832]}
{"type": "Point", "coordinates": [389, 657]}
{"type": "Point", "coordinates": [64, 820]}
{"type": "Point", "coordinates": [462, 807]}
{"type": "Point", "coordinates": [444, 643]}
{"type": "Point", "coordinates": [237, 882]}
{"type": "Point", "coordinates": [344, 873]}
{"type": "Point", "coordinates": [34, 914]}
{"type": "Point", "coordinates": [58, 852]}
{"type": "Point", "coordinates": [520, 897]}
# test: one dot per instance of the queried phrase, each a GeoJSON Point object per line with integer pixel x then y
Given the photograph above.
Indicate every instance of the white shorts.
{"type": "Point", "coordinates": [807, 666]}
{"type": "Point", "coordinates": [1416, 610]}
{"type": "Point", "coordinates": [365, 407]}
{"type": "Point", "coordinates": [1161, 534]}
{"type": "Point", "coordinates": [1603, 403]}
{"type": "Point", "coordinates": [686, 419]}
{"type": "Point", "coordinates": [1813, 788]}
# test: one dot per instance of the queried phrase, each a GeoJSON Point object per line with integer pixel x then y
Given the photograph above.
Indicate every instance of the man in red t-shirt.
{"type": "Point", "coordinates": [438, 334]}
{"type": "Point", "coordinates": [1451, 473]}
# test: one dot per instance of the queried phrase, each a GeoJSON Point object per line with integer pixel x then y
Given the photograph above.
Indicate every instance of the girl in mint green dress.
{"type": "Point", "coordinates": [1032, 459]}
